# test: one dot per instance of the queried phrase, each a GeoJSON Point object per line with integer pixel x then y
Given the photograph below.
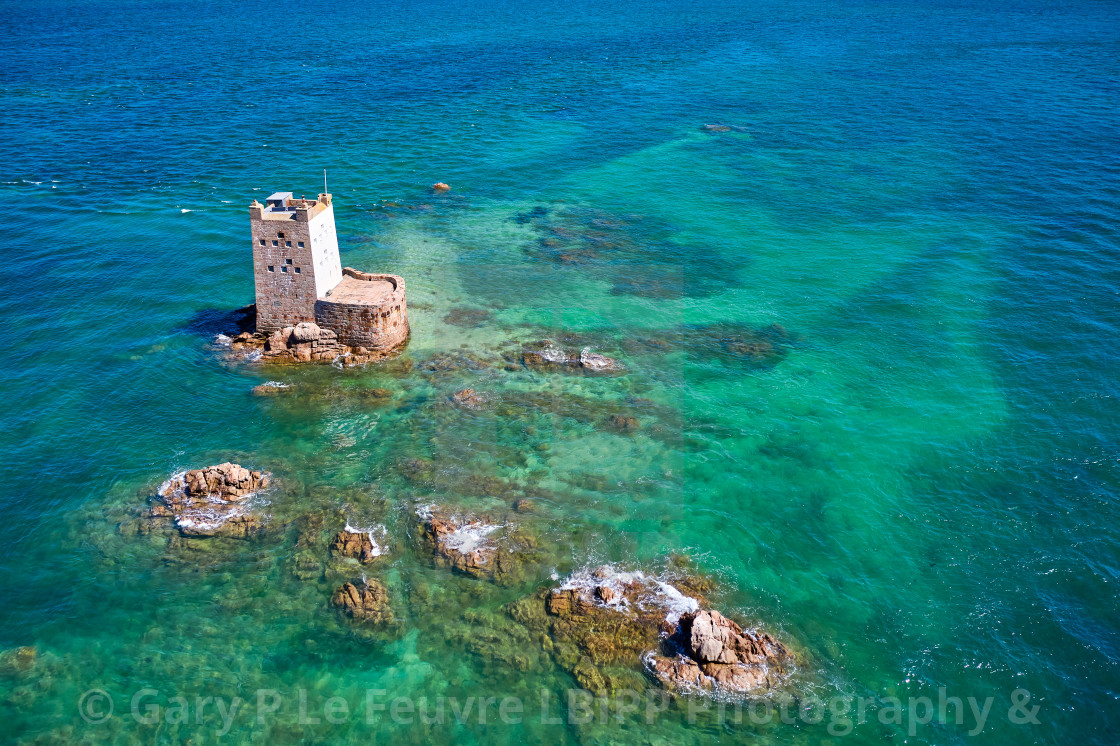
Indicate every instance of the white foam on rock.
{"type": "Point", "coordinates": [201, 517]}
{"type": "Point", "coordinates": [468, 538]}
{"type": "Point", "coordinates": [209, 520]}
{"type": "Point", "coordinates": [553, 354]}
{"type": "Point", "coordinates": [676, 602]}
{"type": "Point", "coordinates": [175, 480]}
{"type": "Point", "coordinates": [656, 592]}
{"type": "Point", "coordinates": [277, 384]}
{"type": "Point", "coordinates": [223, 340]}
{"type": "Point", "coordinates": [373, 532]}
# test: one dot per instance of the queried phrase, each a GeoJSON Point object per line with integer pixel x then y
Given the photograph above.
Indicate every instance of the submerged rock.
{"type": "Point", "coordinates": [211, 501]}
{"type": "Point", "coordinates": [466, 317]}
{"type": "Point", "coordinates": [17, 660]}
{"type": "Point", "coordinates": [623, 423]}
{"type": "Point", "coordinates": [469, 399]}
{"type": "Point", "coordinates": [365, 601]}
{"type": "Point", "coordinates": [546, 355]}
{"type": "Point", "coordinates": [270, 388]}
{"type": "Point", "coordinates": [716, 128]}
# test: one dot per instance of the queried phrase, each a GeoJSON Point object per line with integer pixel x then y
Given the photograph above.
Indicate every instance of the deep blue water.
{"type": "Point", "coordinates": [921, 494]}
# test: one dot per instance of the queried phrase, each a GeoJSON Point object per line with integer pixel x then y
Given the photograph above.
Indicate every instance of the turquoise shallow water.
{"type": "Point", "coordinates": [919, 492]}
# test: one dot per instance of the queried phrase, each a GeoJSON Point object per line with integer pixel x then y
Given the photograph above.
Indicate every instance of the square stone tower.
{"type": "Point", "coordinates": [295, 258]}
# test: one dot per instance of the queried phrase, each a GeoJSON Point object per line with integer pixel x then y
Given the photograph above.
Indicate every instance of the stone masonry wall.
{"type": "Point", "coordinates": [376, 327]}
{"type": "Point", "coordinates": [284, 273]}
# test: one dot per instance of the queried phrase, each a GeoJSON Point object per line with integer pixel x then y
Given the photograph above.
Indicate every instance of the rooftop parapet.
{"type": "Point", "coordinates": [284, 206]}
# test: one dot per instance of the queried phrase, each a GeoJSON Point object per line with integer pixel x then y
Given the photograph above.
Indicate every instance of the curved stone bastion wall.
{"type": "Point", "coordinates": [366, 310]}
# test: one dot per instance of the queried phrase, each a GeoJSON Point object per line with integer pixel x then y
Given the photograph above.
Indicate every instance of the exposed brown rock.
{"type": "Point", "coordinates": [476, 546]}
{"type": "Point", "coordinates": [605, 594]}
{"type": "Point", "coordinates": [355, 545]}
{"type": "Point", "coordinates": [366, 601]}
{"type": "Point", "coordinates": [208, 502]}
{"type": "Point", "coordinates": [308, 342]}
{"type": "Point", "coordinates": [594, 361]}
{"type": "Point", "coordinates": [306, 331]}
{"type": "Point", "coordinates": [680, 671]}
{"type": "Point", "coordinates": [439, 186]}
{"type": "Point", "coordinates": [728, 658]}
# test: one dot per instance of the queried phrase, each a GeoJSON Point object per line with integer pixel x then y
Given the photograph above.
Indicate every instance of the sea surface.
{"type": "Point", "coordinates": [869, 323]}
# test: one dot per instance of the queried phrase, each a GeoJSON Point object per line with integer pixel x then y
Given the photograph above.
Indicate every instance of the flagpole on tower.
{"type": "Point", "coordinates": [325, 182]}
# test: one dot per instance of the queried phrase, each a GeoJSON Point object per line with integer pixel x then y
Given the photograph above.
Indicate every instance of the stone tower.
{"type": "Point", "coordinates": [295, 258]}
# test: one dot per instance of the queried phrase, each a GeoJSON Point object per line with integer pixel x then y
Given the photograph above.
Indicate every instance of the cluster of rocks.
{"type": "Point", "coordinates": [476, 545]}
{"type": "Point", "coordinates": [710, 651]}
{"type": "Point", "coordinates": [211, 501]}
{"type": "Point", "coordinates": [305, 342]}
{"type": "Point", "coordinates": [579, 235]}
{"type": "Point", "coordinates": [308, 342]}
{"type": "Point", "coordinates": [607, 624]}
{"type": "Point", "coordinates": [547, 355]}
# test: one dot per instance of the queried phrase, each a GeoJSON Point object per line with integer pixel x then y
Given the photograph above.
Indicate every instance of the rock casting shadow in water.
{"type": "Point", "coordinates": [209, 322]}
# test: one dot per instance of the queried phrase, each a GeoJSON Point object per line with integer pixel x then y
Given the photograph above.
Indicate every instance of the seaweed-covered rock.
{"type": "Point", "coordinates": [476, 545]}
{"type": "Point", "coordinates": [466, 317]}
{"type": "Point", "coordinates": [365, 601]}
{"type": "Point", "coordinates": [211, 501]}
{"type": "Point", "coordinates": [270, 388]}
{"type": "Point", "coordinates": [623, 423]}
{"type": "Point", "coordinates": [600, 622]}
{"type": "Point", "coordinates": [17, 660]}
{"type": "Point", "coordinates": [606, 624]}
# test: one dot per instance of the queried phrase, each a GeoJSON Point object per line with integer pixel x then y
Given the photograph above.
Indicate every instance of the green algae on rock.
{"type": "Point", "coordinates": [605, 626]}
